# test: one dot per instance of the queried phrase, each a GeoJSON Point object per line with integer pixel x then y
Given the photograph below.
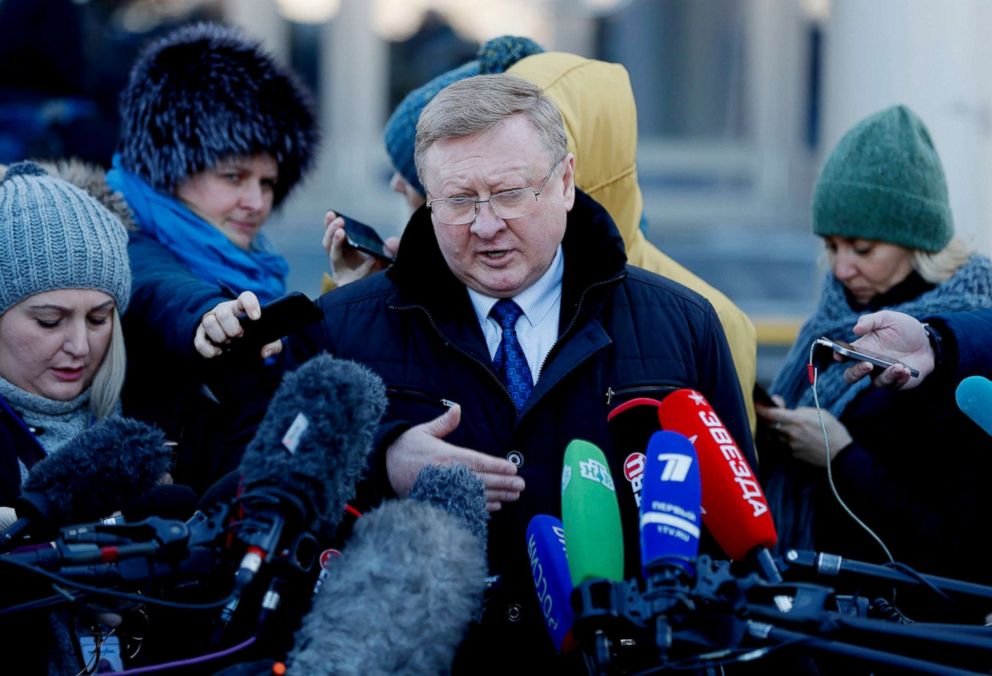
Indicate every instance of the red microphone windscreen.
{"type": "Point", "coordinates": [734, 507]}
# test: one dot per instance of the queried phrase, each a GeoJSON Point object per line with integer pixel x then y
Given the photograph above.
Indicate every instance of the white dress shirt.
{"type": "Point", "coordinates": [537, 328]}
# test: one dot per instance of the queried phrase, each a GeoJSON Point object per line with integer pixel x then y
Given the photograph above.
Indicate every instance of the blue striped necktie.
{"type": "Point", "coordinates": [511, 365]}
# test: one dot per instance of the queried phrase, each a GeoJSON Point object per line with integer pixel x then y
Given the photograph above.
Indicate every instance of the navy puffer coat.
{"type": "Point", "coordinates": [624, 333]}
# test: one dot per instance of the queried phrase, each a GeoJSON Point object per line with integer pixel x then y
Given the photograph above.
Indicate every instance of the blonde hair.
{"type": "Point", "coordinates": [934, 267]}
{"type": "Point", "coordinates": [478, 104]}
{"type": "Point", "coordinates": [938, 267]}
{"type": "Point", "coordinates": [105, 391]}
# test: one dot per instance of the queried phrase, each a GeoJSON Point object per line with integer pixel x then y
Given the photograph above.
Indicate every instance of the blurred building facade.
{"type": "Point", "coordinates": [738, 100]}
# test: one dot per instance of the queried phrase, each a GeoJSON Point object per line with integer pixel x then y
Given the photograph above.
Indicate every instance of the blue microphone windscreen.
{"type": "Point", "coordinates": [670, 503]}
{"type": "Point", "coordinates": [552, 580]}
{"type": "Point", "coordinates": [974, 398]}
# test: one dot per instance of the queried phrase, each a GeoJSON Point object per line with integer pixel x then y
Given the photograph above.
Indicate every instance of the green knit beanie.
{"type": "Point", "coordinates": [884, 182]}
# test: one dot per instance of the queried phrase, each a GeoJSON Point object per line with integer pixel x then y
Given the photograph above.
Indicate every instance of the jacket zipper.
{"type": "Point", "coordinates": [411, 393]}
{"type": "Point", "coordinates": [561, 337]}
{"type": "Point", "coordinates": [610, 392]}
{"type": "Point", "coordinates": [575, 317]}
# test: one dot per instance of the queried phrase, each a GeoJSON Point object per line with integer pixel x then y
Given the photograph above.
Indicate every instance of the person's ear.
{"type": "Point", "coordinates": [568, 181]}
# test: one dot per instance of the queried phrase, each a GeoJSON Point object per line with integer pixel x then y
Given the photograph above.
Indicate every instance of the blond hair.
{"type": "Point", "coordinates": [478, 104]}
{"type": "Point", "coordinates": [105, 391]}
{"type": "Point", "coordinates": [938, 267]}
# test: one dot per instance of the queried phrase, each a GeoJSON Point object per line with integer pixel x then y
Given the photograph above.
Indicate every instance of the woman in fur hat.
{"type": "Point", "coordinates": [214, 136]}
{"type": "Point", "coordinates": [881, 207]}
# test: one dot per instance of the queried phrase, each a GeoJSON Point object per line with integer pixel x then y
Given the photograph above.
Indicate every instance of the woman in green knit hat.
{"type": "Point", "coordinates": [881, 206]}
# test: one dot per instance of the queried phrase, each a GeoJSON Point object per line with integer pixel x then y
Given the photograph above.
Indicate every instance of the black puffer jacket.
{"type": "Point", "coordinates": [624, 332]}
{"type": "Point", "coordinates": [210, 407]}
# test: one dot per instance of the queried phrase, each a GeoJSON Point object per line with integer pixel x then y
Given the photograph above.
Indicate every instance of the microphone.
{"type": "Point", "coordinates": [670, 511]}
{"type": "Point", "coordinates": [303, 463]}
{"type": "Point", "coordinates": [549, 567]}
{"type": "Point", "coordinates": [631, 425]}
{"type": "Point", "coordinates": [406, 587]}
{"type": "Point", "coordinates": [590, 515]}
{"type": "Point", "coordinates": [453, 489]}
{"type": "Point", "coordinates": [734, 507]}
{"type": "Point", "coordinates": [669, 527]}
{"type": "Point", "coordinates": [102, 469]}
{"type": "Point", "coordinates": [974, 398]}
{"type": "Point", "coordinates": [166, 501]}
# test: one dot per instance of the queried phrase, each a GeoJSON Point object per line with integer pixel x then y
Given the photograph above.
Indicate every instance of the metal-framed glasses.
{"type": "Point", "coordinates": [506, 204]}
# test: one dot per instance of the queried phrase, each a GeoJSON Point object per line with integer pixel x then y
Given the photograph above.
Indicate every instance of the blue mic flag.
{"type": "Point", "coordinates": [670, 504]}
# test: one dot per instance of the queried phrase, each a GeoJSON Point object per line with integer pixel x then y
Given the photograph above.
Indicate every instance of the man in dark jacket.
{"type": "Point", "coordinates": [504, 221]}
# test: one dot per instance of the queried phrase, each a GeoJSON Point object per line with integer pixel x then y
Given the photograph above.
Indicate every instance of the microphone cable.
{"type": "Point", "coordinates": [812, 372]}
{"type": "Point", "coordinates": [101, 591]}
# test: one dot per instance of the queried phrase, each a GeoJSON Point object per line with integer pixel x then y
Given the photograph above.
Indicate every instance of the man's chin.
{"type": "Point", "coordinates": [497, 287]}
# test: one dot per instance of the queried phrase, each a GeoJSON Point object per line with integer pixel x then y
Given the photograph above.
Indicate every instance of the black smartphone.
{"type": "Point", "coordinates": [880, 362]}
{"type": "Point", "coordinates": [763, 398]}
{"type": "Point", "coordinates": [280, 318]}
{"type": "Point", "coordinates": [364, 238]}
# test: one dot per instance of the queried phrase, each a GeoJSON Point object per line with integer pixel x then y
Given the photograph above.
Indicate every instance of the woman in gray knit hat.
{"type": "Point", "coordinates": [881, 206]}
{"type": "Point", "coordinates": [64, 280]}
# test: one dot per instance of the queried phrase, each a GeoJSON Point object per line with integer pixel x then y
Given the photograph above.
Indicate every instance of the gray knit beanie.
{"type": "Point", "coordinates": [54, 235]}
{"type": "Point", "coordinates": [884, 182]}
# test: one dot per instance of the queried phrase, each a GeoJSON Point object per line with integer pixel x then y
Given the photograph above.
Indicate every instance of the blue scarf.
{"type": "Point", "coordinates": [198, 244]}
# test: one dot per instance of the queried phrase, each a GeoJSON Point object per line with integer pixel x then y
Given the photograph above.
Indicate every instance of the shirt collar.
{"type": "Point", "coordinates": [535, 301]}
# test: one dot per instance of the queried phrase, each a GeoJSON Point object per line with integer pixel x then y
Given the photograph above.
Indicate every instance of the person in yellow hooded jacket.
{"type": "Point", "coordinates": [597, 103]}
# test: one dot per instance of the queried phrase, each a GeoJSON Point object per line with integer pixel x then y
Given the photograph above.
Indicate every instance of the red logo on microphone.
{"type": "Point", "coordinates": [327, 555]}
{"type": "Point", "coordinates": [633, 471]}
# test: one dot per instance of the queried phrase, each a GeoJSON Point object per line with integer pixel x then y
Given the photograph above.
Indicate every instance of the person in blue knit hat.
{"type": "Point", "coordinates": [215, 134]}
{"type": "Point", "coordinates": [881, 207]}
{"type": "Point", "coordinates": [495, 56]}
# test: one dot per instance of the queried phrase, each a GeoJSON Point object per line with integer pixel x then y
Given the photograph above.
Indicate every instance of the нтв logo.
{"type": "Point", "coordinates": [596, 471]}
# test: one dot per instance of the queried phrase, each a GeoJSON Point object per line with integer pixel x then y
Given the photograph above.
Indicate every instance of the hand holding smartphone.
{"type": "Point", "coordinates": [279, 318]}
{"type": "Point", "coordinates": [364, 238]}
{"type": "Point", "coordinates": [879, 362]}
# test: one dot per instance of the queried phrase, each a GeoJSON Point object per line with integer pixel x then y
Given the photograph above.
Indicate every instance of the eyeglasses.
{"type": "Point", "coordinates": [506, 204]}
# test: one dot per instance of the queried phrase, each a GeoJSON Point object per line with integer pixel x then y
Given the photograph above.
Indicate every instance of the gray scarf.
{"type": "Point", "coordinates": [56, 422]}
{"type": "Point", "coordinates": [790, 485]}
{"type": "Point", "coordinates": [969, 288]}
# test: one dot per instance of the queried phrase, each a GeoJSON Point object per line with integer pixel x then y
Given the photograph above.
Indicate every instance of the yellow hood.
{"type": "Point", "coordinates": [597, 104]}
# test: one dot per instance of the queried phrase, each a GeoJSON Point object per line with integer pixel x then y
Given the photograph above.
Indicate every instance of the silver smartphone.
{"type": "Point", "coordinates": [880, 362]}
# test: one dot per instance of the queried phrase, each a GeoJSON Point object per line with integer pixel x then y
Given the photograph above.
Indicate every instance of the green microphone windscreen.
{"type": "Point", "coordinates": [590, 515]}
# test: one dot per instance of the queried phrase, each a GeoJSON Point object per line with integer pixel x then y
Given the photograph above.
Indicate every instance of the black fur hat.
{"type": "Point", "coordinates": [207, 92]}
